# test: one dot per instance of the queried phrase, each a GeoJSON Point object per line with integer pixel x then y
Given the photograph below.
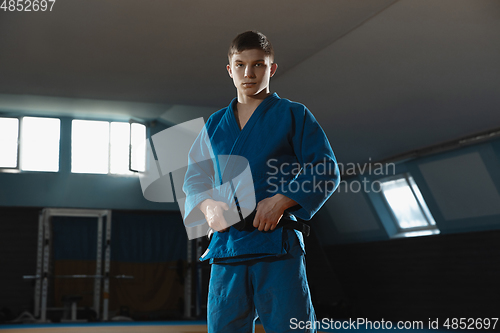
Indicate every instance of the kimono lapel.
{"type": "Point", "coordinates": [231, 121]}
{"type": "Point", "coordinates": [242, 135]}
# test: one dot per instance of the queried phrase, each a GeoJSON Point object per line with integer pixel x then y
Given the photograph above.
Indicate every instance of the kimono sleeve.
{"type": "Point", "coordinates": [199, 179]}
{"type": "Point", "coordinates": [319, 176]}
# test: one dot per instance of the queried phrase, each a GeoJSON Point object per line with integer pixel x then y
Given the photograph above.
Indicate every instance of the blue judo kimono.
{"type": "Point", "coordinates": [256, 271]}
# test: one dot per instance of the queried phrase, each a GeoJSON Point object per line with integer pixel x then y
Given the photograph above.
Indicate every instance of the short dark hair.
{"type": "Point", "coordinates": [249, 40]}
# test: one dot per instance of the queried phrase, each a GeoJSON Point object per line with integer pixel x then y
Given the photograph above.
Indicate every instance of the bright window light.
{"type": "Point", "coordinates": [119, 144]}
{"type": "Point", "coordinates": [421, 200]}
{"type": "Point", "coordinates": [102, 147]}
{"type": "Point", "coordinates": [40, 144]}
{"type": "Point", "coordinates": [138, 147]}
{"type": "Point", "coordinates": [9, 134]}
{"type": "Point", "coordinates": [90, 146]}
{"type": "Point", "coordinates": [420, 233]}
{"type": "Point", "coordinates": [407, 205]}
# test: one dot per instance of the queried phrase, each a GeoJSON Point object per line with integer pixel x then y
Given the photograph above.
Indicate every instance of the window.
{"type": "Point", "coordinates": [407, 205]}
{"type": "Point", "coordinates": [119, 146]}
{"type": "Point", "coordinates": [103, 147]}
{"type": "Point", "coordinates": [9, 136]}
{"type": "Point", "coordinates": [137, 147]}
{"type": "Point", "coordinates": [100, 147]}
{"type": "Point", "coordinates": [89, 146]}
{"type": "Point", "coordinates": [40, 144]}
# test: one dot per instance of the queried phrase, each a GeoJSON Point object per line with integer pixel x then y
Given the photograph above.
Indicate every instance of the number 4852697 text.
{"type": "Point", "coordinates": [27, 5]}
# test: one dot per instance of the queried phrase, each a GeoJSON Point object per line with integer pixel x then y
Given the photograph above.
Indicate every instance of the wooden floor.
{"type": "Point", "coordinates": [159, 327]}
{"type": "Point", "coordinates": [113, 329]}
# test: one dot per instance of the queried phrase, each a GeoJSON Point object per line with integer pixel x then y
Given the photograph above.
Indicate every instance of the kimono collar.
{"type": "Point", "coordinates": [271, 98]}
{"type": "Point", "coordinates": [240, 136]}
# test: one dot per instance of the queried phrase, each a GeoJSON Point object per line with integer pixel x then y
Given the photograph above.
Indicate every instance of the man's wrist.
{"type": "Point", "coordinates": [203, 205]}
{"type": "Point", "coordinates": [285, 202]}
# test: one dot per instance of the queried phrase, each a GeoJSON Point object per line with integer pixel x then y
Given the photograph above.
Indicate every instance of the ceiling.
{"type": "Point", "coordinates": [383, 77]}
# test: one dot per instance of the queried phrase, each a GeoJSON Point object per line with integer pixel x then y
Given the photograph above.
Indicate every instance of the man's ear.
{"type": "Point", "coordinates": [274, 67]}
{"type": "Point", "coordinates": [229, 71]}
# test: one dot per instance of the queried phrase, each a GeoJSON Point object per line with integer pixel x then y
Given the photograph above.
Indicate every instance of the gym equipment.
{"type": "Point", "coordinates": [43, 259]}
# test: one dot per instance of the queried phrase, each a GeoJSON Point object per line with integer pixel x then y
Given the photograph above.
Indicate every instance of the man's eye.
{"type": "Point", "coordinates": [258, 65]}
{"type": "Point", "coordinates": [239, 65]}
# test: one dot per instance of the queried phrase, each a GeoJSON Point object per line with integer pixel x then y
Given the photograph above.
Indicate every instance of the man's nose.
{"type": "Point", "coordinates": [249, 72]}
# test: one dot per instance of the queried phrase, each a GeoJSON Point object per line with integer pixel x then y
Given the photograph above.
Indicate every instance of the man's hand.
{"type": "Point", "coordinates": [270, 211]}
{"type": "Point", "coordinates": [214, 214]}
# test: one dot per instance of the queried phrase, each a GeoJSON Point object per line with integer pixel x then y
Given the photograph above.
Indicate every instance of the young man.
{"type": "Point", "coordinates": [259, 270]}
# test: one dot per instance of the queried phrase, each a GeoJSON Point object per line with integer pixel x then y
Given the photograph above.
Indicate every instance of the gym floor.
{"type": "Point", "coordinates": [154, 327]}
{"type": "Point", "coordinates": [133, 327]}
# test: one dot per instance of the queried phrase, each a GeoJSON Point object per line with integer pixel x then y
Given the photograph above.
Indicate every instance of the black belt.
{"type": "Point", "coordinates": [285, 222]}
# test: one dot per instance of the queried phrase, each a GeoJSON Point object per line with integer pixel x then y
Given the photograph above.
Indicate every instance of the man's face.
{"type": "Point", "coordinates": [251, 71]}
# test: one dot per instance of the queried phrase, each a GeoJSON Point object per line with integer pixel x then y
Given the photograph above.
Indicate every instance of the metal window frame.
{"type": "Point", "coordinates": [131, 121]}
{"type": "Point", "coordinates": [109, 143]}
{"type": "Point", "coordinates": [400, 231]}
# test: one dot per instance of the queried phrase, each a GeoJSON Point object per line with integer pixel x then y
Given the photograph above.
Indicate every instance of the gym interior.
{"type": "Point", "coordinates": [407, 92]}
